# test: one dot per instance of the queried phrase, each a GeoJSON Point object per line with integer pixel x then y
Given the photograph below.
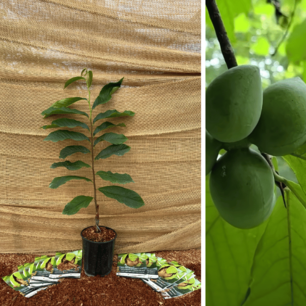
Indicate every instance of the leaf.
{"type": "Point", "coordinates": [61, 180]}
{"type": "Point", "coordinates": [261, 47]}
{"type": "Point", "coordinates": [112, 138]}
{"type": "Point", "coordinates": [298, 166]}
{"type": "Point", "coordinates": [279, 265]}
{"type": "Point", "coordinates": [229, 257]}
{"type": "Point", "coordinates": [69, 165]}
{"type": "Point", "coordinates": [64, 134]}
{"type": "Point", "coordinates": [76, 204]}
{"type": "Point", "coordinates": [66, 102]}
{"type": "Point", "coordinates": [229, 10]}
{"type": "Point", "coordinates": [89, 79]}
{"type": "Point", "coordinates": [126, 196]}
{"type": "Point", "coordinates": [296, 44]}
{"type": "Point", "coordinates": [242, 24]}
{"type": "Point", "coordinates": [67, 151]}
{"type": "Point", "coordinates": [115, 178]}
{"type": "Point", "coordinates": [73, 80]}
{"type": "Point", "coordinates": [300, 152]}
{"type": "Point", "coordinates": [84, 71]}
{"type": "Point", "coordinates": [106, 125]}
{"type": "Point", "coordinates": [52, 126]}
{"type": "Point", "coordinates": [71, 123]}
{"type": "Point", "coordinates": [106, 93]}
{"type": "Point", "coordinates": [113, 113]}
{"type": "Point", "coordinates": [113, 150]}
{"type": "Point", "coordinates": [62, 110]}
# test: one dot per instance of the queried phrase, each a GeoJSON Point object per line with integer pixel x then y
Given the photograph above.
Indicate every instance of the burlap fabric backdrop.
{"type": "Point", "coordinates": [155, 46]}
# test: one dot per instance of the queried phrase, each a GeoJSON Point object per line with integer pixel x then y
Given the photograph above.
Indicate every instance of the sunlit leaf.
{"type": "Point", "coordinates": [126, 196]}
{"type": "Point", "coordinates": [62, 110]}
{"type": "Point", "coordinates": [64, 134]}
{"type": "Point", "coordinates": [115, 178]}
{"type": "Point", "coordinates": [69, 150]}
{"type": "Point", "coordinates": [296, 44]}
{"type": "Point", "coordinates": [70, 166]}
{"type": "Point", "coordinates": [66, 102]}
{"type": "Point", "coordinates": [58, 181]}
{"type": "Point", "coordinates": [261, 47]}
{"type": "Point", "coordinates": [106, 93]}
{"type": "Point", "coordinates": [112, 138]}
{"type": "Point", "coordinates": [73, 80]}
{"type": "Point", "coordinates": [113, 150]}
{"type": "Point", "coordinates": [106, 125]}
{"type": "Point", "coordinates": [242, 24]}
{"type": "Point", "coordinates": [112, 114]}
{"type": "Point", "coordinates": [76, 204]}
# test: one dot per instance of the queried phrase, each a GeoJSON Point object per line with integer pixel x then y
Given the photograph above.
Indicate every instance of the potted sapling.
{"type": "Point", "coordinates": [98, 241]}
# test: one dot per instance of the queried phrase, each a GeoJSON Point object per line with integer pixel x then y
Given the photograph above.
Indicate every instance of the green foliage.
{"type": "Point", "coordinates": [65, 122]}
{"type": "Point", "coordinates": [118, 150]}
{"type": "Point", "coordinates": [123, 195]}
{"type": "Point", "coordinates": [65, 134]}
{"type": "Point", "coordinates": [112, 138]}
{"type": "Point", "coordinates": [106, 125]}
{"type": "Point", "coordinates": [67, 151]}
{"type": "Point", "coordinates": [76, 204]}
{"type": "Point", "coordinates": [62, 110]}
{"type": "Point", "coordinates": [70, 166]}
{"type": "Point", "coordinates": [115, 178]}
{"type": "Point", "coordinates": [59, 181]}
{"type": "Point", "coordinates": [113, 114]}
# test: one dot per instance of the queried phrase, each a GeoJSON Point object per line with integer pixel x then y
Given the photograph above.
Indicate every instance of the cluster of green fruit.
{"type": "Point", "coordinates": [239, 114]}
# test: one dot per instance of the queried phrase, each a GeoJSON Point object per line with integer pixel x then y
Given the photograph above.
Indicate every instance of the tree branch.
{"type": "Point", "coordinates": [225, 45]}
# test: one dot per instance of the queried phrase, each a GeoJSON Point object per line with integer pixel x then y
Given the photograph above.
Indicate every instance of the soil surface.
{"type": "Point", "coordinates": [106, 234]}
{"type": "Point", "coordinates": [91, 291]}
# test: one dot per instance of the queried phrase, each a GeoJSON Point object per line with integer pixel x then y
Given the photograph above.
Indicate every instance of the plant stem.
{"type": "Point", "coordinates": [93, 167]}
{"type": "Point", "coordinates": [225, 45]}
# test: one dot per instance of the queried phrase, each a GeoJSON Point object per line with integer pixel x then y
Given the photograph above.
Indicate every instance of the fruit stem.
{"type": "Point", "coordinates": [279, 178]}
{"type": "Point", "coordinates": [225, 45]}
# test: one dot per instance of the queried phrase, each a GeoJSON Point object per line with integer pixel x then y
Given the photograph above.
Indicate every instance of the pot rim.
{"type": "Point", "coordinates": [100, 242]}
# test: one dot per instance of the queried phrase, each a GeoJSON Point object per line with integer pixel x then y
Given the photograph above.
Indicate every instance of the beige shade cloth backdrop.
{"type": "Point", "coordinates": [155, 46]}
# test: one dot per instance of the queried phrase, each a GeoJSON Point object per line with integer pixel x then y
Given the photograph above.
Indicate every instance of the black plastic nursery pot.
{"type": "Point", "coordinates": [98, 256]}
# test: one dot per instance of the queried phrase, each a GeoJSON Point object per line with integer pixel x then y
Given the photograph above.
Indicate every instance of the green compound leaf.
{"type": "Point", "coordinates": [89, 79]}
{"type": "Point", "coordinates": [58, 181]}
{"type": "Point", "coordinates": [66, 102]}
{"type": "Point", "coordinates": [112, 114]}
{"type": "Point", "coordinates": [67, 151]}
{"type": "Point", "coordinates": [115, 178]}
{"type": "Point", "coordinates": [106, 125]}
{"type": "Point", "coordinates": [126, 196]}
{"type": "Point", "coordinates": [69, 165]}
{"type": "Point", "coordinates": [76, 204]}
{"type": "Point", "coordinates": [112, 138]}
{"type": "Point", "coordinates": [64, 134]}
{"type": "Point", "coordinates": [62, 110]}
{"type": "Point", "coordinates": [106, 93]}
{"type": "Point", "coordinates": [113, 150]}
{"type": "Point", "coordinates": [73, 80]}
{"type": "Point", "coordinates": [70, 123]}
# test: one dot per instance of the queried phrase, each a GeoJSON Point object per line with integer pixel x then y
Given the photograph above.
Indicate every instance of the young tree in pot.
{"type": "Point", "coordinates": [98, 242]}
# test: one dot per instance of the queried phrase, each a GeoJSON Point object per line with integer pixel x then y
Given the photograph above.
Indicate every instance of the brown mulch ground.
{"type": "Point", "coordinates": [108, 290]}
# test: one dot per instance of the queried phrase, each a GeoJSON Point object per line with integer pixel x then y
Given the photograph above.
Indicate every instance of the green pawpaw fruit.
{"type": "Point", "coordinates": [234, 103]}
{"type": "Point", "coordinates": [213, 147]}
{"type": "Point", "coordinates": [282, 125]}
{"type": "Point", "coordinates": [242, 188]}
